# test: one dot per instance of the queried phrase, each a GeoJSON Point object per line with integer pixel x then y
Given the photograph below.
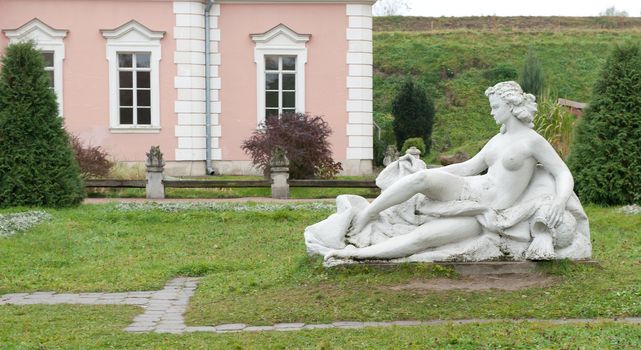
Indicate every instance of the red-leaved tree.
{"type": "Point", "coordinates": [304, 138]}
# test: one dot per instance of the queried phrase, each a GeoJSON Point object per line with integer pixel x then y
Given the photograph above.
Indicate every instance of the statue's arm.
{"type": "Point", "coordinates": [564, 182]}
{"type": "Point", "coordinates": [470, 167]}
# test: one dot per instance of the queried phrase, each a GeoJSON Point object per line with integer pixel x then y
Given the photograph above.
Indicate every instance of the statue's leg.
{"type": "Point", "coordinates": [437, 185]}
{"type": "Point", "coordinates": [429, 235]}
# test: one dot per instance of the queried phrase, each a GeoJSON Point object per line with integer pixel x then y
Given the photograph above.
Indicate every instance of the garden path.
{"type": "Point", "coordinates": [164, 310]}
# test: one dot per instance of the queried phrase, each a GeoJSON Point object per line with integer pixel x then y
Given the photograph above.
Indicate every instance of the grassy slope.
{"type": "Point", "coordinates": [555, 23]}
{"type": "Point", "coordinates": [571, 62]}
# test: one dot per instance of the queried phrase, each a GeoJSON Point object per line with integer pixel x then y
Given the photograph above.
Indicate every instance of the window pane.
{"type": "Point", "coordinates": [286, 111]}
{"type": "Point", "coordinates": [126, 80]}
{"type": "Point", "coordinates": [142, 79]}
{"type": "Point", "coordinates": [271, 81]}
{"type": "Point", "coordinates": [271, 99]}
{"type": "Point", "coordinates": [48, 58]}
{"type": "Point", "coordinates": [142, 60]}
{"type": "Point", "coordinates": [289, 62]}
{"type": "Point", "coordinates": [271, 62]}
{"type": "Point", "coordinates": [271, 113]}
{"type": "Point", "coordinates": [126, 98]}
{"type": "Point", "coordinates": [144, 116]}
{"type": "Point", "coordinates": [144, 98]}
{"type": "Point", "coordinates": [126, 115]}
{"type": "Point", "coordinates": [50, 74]}
{"type": "Point", "coordinates": [289, 81]}
{"type": "Point", "coordinates": [125, 60]}
{"type": "Point", "coordinates": [289, 99]}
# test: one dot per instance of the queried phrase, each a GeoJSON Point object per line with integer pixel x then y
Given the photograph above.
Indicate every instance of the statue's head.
{"type": "Point", "coordinates": [521, 104]}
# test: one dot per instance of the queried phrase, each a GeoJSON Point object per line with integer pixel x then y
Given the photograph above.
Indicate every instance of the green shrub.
{"type": "Point", "coordinates": [532, 80]}
{"type": "Point", "coordinates": [556, 124]}
{"type": "Point", "coordinates": [414, 142]}
{"type": "Point", "coordinates": [413, 114]}
{"type": "Point", "coordinates": [501, 72]}
{"type": "Point", "coordinates": [380, 147]}
{"type": "Point", "coordinates": [37, 166]}
{"type": "Point", "coordinates": [605, 156]}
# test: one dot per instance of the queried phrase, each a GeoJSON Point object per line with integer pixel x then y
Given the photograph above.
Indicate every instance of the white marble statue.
{"type": "Point", "coordinates": [513, 200]}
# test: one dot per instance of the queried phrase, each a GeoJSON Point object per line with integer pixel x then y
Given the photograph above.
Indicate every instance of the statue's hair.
{"type": "Point", "coordinates": [523, 105]}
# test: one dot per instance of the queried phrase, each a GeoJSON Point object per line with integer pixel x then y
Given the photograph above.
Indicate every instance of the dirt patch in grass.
{"type": "Point", "coordinates": [485, 282]}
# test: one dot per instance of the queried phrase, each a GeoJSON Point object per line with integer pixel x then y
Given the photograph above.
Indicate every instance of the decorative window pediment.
{"type": "Point", "coordinates": [281, 36]}
{"type": "Point", "coordinates": [132, 31]}
{"type": "Point", "coordinates": [37, 31]}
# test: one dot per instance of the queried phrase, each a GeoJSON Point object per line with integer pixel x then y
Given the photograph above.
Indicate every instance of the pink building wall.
{"type": "Point", "coordinates": [85, 68]}
{"type": "Point", "coordinates": [326, 69]}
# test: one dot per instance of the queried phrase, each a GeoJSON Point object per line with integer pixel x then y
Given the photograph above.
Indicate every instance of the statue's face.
{"type": "Point", "coordinates": [500, 109]}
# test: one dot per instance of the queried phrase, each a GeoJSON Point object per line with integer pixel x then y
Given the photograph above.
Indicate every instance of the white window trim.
{"type": "Point", "coordinates": [45, 39]}
{"type": "Point", "coordinates": [133, 37]}
{"type": "Point", "coordinates": [279, 41]}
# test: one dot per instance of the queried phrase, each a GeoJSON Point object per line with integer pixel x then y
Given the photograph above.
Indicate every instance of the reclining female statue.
{"type": "Point", "coordinates": [522, 207]}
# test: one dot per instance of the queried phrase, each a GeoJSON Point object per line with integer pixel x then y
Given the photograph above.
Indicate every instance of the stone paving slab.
{"type": "Point", "coordinates": [164, 310]}
{"type": "Point", "coordinates": [230, 327]}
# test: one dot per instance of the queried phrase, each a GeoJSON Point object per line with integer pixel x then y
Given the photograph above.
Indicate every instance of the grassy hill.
{"type": "Point", "coordinates": [456, 65]}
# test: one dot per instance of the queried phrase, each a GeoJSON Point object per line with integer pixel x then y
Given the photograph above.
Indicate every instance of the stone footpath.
{"type": "Point", "coordinates": [164, 309]}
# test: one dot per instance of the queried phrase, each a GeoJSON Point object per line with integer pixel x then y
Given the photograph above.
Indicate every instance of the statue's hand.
{"type": "Point", "coordinates": [344, 253]}
{"type": "Point", "coordinates": [555, 213]}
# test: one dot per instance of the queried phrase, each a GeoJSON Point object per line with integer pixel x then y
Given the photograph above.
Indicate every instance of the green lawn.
{"type": "Point", "coordinates": [100, 327]}
{"type": "Point", "coordinates": [255, 271]}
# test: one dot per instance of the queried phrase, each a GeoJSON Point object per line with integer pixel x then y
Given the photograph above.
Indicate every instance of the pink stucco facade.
{"type": "Point", "coordinates": [337, 73]}
{"type": "Point", "coordinates": [326, 67]}
{"type": "Point", "coordinates": [85, 78]}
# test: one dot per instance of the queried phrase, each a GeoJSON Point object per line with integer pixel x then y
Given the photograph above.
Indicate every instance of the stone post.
{"type": "Point", "coordinates": [155, 166]}
{"type": "Point", "coordinates": [414, 152]}
{"type": "Point", "coordinates": [279, 168]}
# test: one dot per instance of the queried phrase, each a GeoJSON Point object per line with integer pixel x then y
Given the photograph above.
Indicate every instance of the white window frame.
{"type": "Point", "coordinates": [129, 38]}
{"type": "Point", "coordinates": [45, 39]}
{"type": "Point", "coordinates": [135, 87]}
{"type": "Point", "coordinates": [280, 89]}
{"type": "Point", "coordinates": [279, 41]}
{"type": "Point", "coordinates": [51, 68]}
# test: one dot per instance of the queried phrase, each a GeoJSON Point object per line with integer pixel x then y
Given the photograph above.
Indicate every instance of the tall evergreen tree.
{"type": "Point", "coordinates": [605, 156]}
{"type": "Point", "coordinates": [413, 115]}
{"type": "Point", "coordinates": [532, 79]}
{"type": "Point", "coordinates": [37, 166]}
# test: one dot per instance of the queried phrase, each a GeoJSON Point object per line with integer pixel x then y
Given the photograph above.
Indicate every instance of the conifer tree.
{"type": "Point", "coordinates": [37, 166]}
{"type": "Point", "coordinates": [605, 157]}
{"type": "Point", "coordinates": [532, 79]}
{"type": "Point", "coordinates": [413, 115]}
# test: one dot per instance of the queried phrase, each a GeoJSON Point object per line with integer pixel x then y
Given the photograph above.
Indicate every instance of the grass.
{"type": "Point", "coordinates": [100, 327]}
{"type": "Point", "coordinates": [505, 24]}
{"type": "Point", "coordinates": [259, 274]}
{"type": "Point", "coordinates": [571, 63]}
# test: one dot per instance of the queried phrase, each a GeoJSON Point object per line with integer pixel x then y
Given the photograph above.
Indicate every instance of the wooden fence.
{"type": "Point", "coordinates": [119, 184]}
